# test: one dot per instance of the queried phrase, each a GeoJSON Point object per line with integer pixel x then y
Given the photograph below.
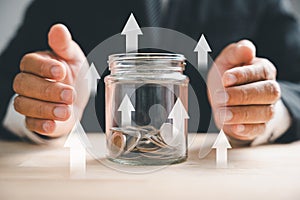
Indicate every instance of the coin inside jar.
{"type": "Point", "coordinates": [133, 141]}
{"type": "Point", "coordinates": [117, 144]}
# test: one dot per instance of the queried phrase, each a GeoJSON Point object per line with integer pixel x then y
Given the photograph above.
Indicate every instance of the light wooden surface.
{"type": "Point", "coordinates": [42, 172]}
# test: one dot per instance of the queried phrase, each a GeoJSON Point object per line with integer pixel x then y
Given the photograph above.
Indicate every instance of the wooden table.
{"type": "Point", "coordinates": [42, 172]}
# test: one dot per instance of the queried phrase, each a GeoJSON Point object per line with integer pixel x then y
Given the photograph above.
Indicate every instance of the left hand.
{"type": "Point", "coordinates": [242, 91]}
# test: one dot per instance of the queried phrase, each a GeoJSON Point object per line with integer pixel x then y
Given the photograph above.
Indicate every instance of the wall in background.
{"type": "Point", "coordinates": [11, 14]}
{"type": "Point", "coordinates": [296, 7]}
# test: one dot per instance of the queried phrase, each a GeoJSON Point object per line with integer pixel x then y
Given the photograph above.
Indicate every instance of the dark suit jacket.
{"type": "Point", "coordinates": [269, 24]}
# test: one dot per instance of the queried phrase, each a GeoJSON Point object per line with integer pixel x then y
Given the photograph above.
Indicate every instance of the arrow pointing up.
{"type": "Point", "coordinates": [77, 141]}
{"type": "Point", "coordinates": [126, 108]}
{"type": "Point", "coordinates": [178, 114]}
{"type": "Point", "coordinates": [221, 145]}
{"type": "Point", "coordinates": [131, 30]}
{"type": "Point", "coordinates": [202, 48]}
{"type": "Point", "coordinates": [92, 76]}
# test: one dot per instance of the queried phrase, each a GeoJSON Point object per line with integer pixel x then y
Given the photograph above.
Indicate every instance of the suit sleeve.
{"type": "Point", "coordinates": [278, 39]}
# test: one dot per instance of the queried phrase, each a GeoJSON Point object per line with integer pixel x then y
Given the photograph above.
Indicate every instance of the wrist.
{"type": "Point", "coordinates": [276, 127]}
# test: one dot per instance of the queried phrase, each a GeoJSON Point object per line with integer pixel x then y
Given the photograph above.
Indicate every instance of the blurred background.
{"type": "Point", "coordinates": [12, 11]}
{"type": "Point", "coordinates": [11, 15]}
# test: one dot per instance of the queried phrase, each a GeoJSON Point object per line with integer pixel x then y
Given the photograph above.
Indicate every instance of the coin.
{"type": "Point", "coordinates": [132, 141]}
{"type": "Point", "coordinates": [137, 142]}
{"type": "Point", "coordinates": [116, 144]}
{"type": "Point", "coordinates": [155, 139]}
{"type": "Point", "coordinates": [145, 150]}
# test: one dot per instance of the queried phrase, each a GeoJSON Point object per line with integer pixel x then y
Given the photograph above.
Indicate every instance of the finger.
{"type": "Point", "coordinates": [236, 54]}
{"type": "Point", "coordinates": [41, 110]}
{"type": "Point", "coordinates": [246, 114]}
{"type": "Point", "coordinates": [244, 131]}
{"type": "Point", "coordinates": [60, 41]}
{"type": "Point", "coordinates": [38, 88]}
{"type": "Point", "coordinates": [43, 66]}
{"type": "Point", "coordinates": [262, 69]}
{"type": "Point", "coordinates": [41, 126]}
{"type": "Point", "coordinates": [263, 92]}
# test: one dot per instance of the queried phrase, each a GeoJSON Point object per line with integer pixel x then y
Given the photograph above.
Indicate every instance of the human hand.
{"type": "Point", "coordinates": [48, 85]}
{"type": "Point", "coordinates": [243, 91]}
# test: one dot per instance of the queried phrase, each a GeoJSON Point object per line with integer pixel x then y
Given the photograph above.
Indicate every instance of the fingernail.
{"type": "Point", "coordinates": [225, 115]}
{"type": "Point", "coordinates": [66, 95]}
{"type": "Point", "coordinates": [47, 127]}
{"type": "Point", "coordinates": [239, 129]}
{"type": "Point", "coordinates": [243, 43]}
{"type": "Point", "coordinates": [60, 112]}
{"type": "Point", "coordinates": [221, 97]}
{"type": "Point", "coordinates": [55, 71]}
{"type": "Point", "coordinates": [230, 79]}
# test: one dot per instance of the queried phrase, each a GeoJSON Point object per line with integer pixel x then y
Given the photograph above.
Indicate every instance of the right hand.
{"type": "Point", "coordinates": [46, 85]}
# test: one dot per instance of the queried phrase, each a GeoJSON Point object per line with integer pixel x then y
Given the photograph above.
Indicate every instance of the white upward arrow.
{"type": "Point", "coordinates": [92, 76]}
{"type": "Point", "coordinates": [221, 145]}
{"type": "Point", "coordinates": [178, 114]}
{"type": "Point", "coordinates": [202, 48]}
{"type": "Point", "coordinates": [126, 108]}
{"type": "Point", "coordinates": [131, 30]}
{"type": "Point", "coordinates": [77, 141]}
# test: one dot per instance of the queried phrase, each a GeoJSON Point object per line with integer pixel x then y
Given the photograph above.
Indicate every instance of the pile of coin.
{"type": "Point", "coordinates": [133, 142]}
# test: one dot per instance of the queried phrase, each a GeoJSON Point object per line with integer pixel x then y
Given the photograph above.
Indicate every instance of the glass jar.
{"type": "Point", "coordinates": [146, 102]}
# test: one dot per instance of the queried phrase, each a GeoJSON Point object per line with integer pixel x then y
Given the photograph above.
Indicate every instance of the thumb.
{"type": "Point", "coordinates": [60, 41]}
{"type": "Point", "coordinates": [236, 54]}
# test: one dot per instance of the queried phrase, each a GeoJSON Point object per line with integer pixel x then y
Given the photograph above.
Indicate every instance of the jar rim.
{"type": "Point", "coordinates": [145, 56]}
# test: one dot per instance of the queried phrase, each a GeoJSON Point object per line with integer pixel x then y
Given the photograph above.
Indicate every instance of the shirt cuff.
{"type": "Point", "coordinates": [15, 122]}
{"type": "Point", "coordinates": [276, 127]}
